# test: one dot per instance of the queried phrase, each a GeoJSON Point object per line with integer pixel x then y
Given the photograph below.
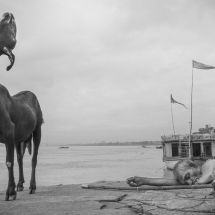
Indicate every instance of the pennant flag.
{"type": "Point", "coordinates": [173, 101]}
{"type": "Point", "coordinates": [198, 65]}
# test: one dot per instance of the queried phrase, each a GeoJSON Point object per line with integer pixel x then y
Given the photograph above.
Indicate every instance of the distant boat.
{"type": "Point", "coordinates": [63, 147]}
{"type": "Point", "coordinates": [158, 147]}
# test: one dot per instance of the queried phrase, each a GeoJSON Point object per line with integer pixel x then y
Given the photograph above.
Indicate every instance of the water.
{"type": "Point", "coordinates": [86, 164]}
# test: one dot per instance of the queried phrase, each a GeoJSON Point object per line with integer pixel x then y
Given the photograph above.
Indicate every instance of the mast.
{"type": "Point", "coordinates": [191, 122]}
{"type": "Point", "coordinates": [172, 115]}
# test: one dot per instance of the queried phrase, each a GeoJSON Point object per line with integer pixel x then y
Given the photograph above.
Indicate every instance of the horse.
{"type": "Point", "coordinates": [20, 121]}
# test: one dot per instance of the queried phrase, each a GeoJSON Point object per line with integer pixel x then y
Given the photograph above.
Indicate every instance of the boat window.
{"type": "Point", "coordinates": [174, 149]}
{"type": "Point", "coordinates": [196, 149]}
{"type": "Point", "coordinates": [184, 150]}
{"type": "Point", "coordinates": [207, 149]}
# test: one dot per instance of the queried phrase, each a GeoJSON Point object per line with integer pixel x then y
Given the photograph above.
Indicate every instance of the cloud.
{"type": "Point", "coordinates": [104, 70]}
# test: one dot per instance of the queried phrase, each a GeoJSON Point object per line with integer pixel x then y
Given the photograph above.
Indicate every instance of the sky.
{"type": "Point", "coordinates": [103, 70]}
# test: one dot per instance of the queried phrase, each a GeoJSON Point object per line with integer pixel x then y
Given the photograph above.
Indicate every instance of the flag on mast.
{"type": "Point", "coordinates": [174, 101]}
{"type": "Point", "coordinates": [198, 65]}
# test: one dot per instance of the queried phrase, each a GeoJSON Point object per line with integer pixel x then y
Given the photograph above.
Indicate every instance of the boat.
{"type": "Point", "coordinates": [159, 147]}
{"type": "Point", "coordinates": [63, 147]}
{"type": "Point", "coordinates": [202, 147]}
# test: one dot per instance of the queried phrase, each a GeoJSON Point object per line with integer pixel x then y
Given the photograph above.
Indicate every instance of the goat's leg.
{"type": "Point", "coordinates": [36, 140]}
{"type": "Point", "coordinates": [10, 193]}
{"type": "Point", "coordinates": [21, 181]}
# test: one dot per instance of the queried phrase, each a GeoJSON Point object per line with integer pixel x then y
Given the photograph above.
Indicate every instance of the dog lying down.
{"type": "Point", "coordinates": [185, 172]}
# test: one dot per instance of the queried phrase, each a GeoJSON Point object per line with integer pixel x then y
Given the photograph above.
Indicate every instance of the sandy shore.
{"type": "Point", "coordinates": [72, 199]}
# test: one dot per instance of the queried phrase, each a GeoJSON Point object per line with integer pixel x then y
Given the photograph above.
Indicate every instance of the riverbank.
{"type": "Point", "coordinates": [73, 199]}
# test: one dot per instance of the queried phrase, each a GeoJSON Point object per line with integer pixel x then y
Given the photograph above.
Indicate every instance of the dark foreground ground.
{"type": "Point", "coordinates": [72, 199]}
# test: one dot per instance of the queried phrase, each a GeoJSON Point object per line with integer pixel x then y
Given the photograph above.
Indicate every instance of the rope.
{"type": "Point", "coordinates": [138, 155]}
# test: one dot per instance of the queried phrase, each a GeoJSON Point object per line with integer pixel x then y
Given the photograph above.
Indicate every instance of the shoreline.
{"type": "Point", "coordinates": [72, 199]}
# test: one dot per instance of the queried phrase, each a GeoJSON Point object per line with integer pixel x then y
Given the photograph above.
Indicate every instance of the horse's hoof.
{"type": "Point", "coordinates": [31, 191]}
{"type": "Point", "coordinates": [11, 198]}
{"type": "Point", "coordinates": [19, 189]}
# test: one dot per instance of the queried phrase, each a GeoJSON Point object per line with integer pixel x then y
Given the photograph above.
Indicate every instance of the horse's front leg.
{"type": "Point", "coordinates": [10, 193]}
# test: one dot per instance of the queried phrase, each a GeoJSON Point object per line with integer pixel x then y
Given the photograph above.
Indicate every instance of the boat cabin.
{"type": "Point", "coordinates": [202, 146]}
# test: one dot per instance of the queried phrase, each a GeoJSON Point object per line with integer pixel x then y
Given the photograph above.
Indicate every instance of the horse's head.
{"type": "Point", "coordinates": [8, 37]}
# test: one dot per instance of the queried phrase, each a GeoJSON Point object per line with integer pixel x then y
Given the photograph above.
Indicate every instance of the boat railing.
{"type": "Point", "coordinates": [186, 137]}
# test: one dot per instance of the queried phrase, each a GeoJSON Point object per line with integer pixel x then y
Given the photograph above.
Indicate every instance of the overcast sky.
{"type": "Point", "coordinates": [103, 70]}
